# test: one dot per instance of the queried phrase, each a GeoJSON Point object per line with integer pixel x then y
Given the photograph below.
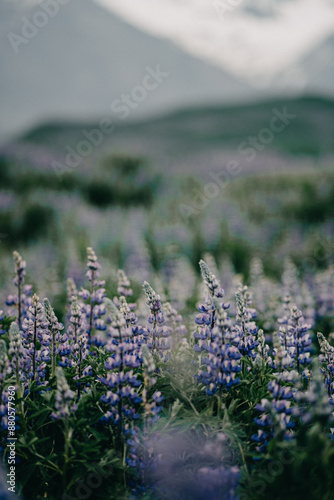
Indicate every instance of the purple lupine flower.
{"type": "Point", "coordinates": [157, 334]}
{"type": "Point", "coordinates": [21, 300]}
{"type": "Point", "coordinates": [55, 328]}
{"type": "Point", "coordinates": [296, 340]}
{"type": "Point", "coordinates": [77, 326]}
{"type": "Point", "coordinates": [246, 329]}
{"type": "Point", "coordinates": [64, 352]}
{"type": "Point", "coordinates": [326, 359]}
{"type": "Point", "coordinates": [141, 459]}
{"type": "Point", "coordinates": [94, 310]}
{"type": "Point", "coordinates": [20, 270]}
{"type": "Point", "coordinates": [153, 300]}
{"type": "Point", "coordinates": [125, 358]}
{"type": "Point", "coordinates": [79, 354]}
{"type": "Point", "coordinates": [314, 405]}
{"type": "Point", "coordinates": [64, 398]}
{"type": "Point", "coordinates": [262, 351]}
{"type": "Point", "coordinates": [206, 314]}
{"type": "Point", "coordinates": [127, 311]}
{"type": "Point", "coordinates": [151, 408]}
{"type": "Point", "coordinates": [275, 418]}
{"type": "Point", "coordinates": [210, 280]}
{"type": "Point", "coordinates": [34, 328]}
{"type": "Point", "coordinates": [217, 339]}
{"type": "Point", "coordinates": [283, 321]}
{"type": "Point", "coordinates": [222, 361]}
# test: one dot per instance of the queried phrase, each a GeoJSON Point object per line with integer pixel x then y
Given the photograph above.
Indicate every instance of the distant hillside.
{"type": "Point", "coordinates": [193, 136]}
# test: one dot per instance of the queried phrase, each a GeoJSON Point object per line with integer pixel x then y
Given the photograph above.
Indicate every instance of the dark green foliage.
{"type": "Point", "coordinates": [315, 206]}
{"type": "Point", "coordinates": [93, 465]}
{"type": "Point", "coordinates": [34, 222]}
{"type": "Point", "coordinates": [297, 471]}
{"type": "Point", "coordinates": [155, 251]}
{"type": "Point", "coordinates": [121, 180]}
{"type": "Point", "coordinates": [4, 172]}
{"type": "Point", "coordinates": [100, 194]}
{"type": "Point", "coordinates": [129, 181]}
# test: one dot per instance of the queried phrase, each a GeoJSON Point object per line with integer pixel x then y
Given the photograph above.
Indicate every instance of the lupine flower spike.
{"type": "Point", "coordinates": [94, 309]}
{"type": "Point", "coordinates": [158, 334]}
{"type": "Point", "coordinates": [214, 287]}
{"type": "Point", "coordinates": [54, 328]}
{"type": "Point", "coordinates": [22, 300]}
{"type": "Point", "coordinates": [326, 359]}
{"type": "Point", "coordinates": [35, 333]}
{"type": "Point", "coordinates": [64, 405]}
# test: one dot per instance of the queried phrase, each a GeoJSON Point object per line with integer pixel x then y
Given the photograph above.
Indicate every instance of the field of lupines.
{"type": "Point", "coordinates": [130, 399]}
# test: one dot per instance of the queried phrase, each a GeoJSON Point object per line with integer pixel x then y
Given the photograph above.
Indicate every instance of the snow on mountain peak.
{"type": "Point", "coordinates": [253, 39]}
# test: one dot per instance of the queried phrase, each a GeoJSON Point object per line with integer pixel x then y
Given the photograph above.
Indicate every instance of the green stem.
{"type": "Point", "coordinates": [219, 404]}
{"type": "Point", "coordinates": [67, 445]}
{"type": "Point", "coordinates": [34, 344]}
{"type": "Point", "coordinates": [154, 327]}
{"type": "Point", "coordinates": [190, 402]}
{"type": "Point", "coordinates": [79, 372]}
{"type": "Point", "coordinates": [91, 306]}
{"type": "Point", "coordinates": [298, 366]}
{"type": "Point", "coordinates": [19, 394]}
{"type": "Point", "coordinates": [120, 402]}
{"type": "Point", "coordinates": [53, 372]}
{"type": "Point", "coordinates": [19, 302]}
{"type": "Point", "coordinates": [242, 455]}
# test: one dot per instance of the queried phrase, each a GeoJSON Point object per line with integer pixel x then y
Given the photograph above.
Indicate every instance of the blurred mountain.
{"type": "Point", "coordinates": [318, 68]}
{"type": "Point", "coordinates": [271, 44]}
{"type": "Point", "coordinates": [84, 58]}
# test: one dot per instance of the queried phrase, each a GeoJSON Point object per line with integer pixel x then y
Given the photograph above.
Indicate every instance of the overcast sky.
{"type": "Point", "coordinates": [254, 38]}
